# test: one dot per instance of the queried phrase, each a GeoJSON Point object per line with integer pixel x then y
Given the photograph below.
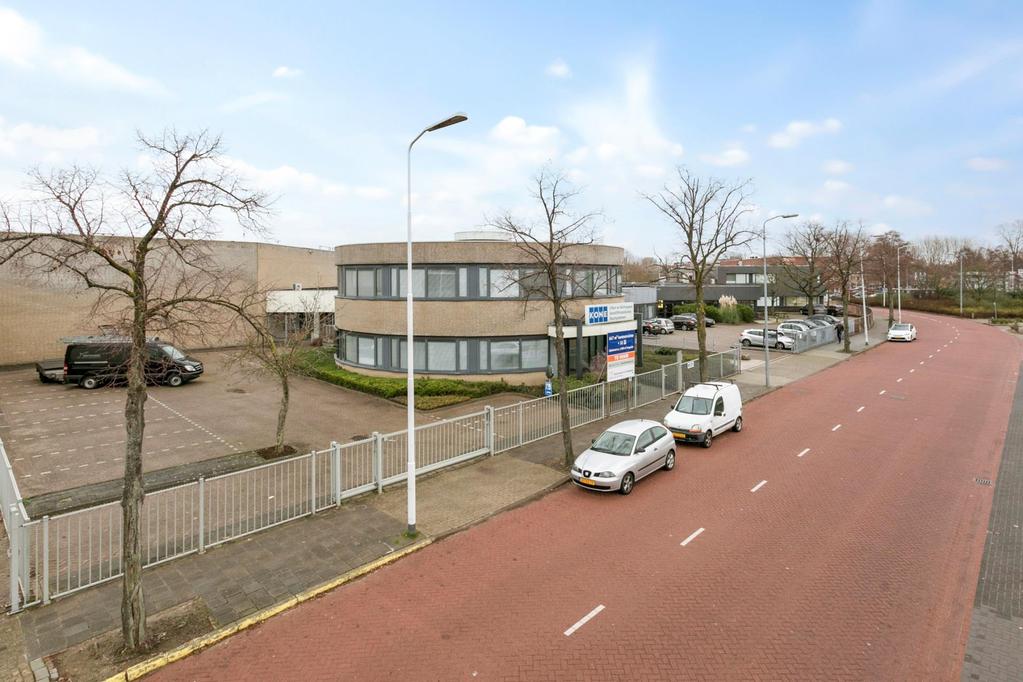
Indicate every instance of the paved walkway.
{"type": "Point", "coordinates": [241, 577]}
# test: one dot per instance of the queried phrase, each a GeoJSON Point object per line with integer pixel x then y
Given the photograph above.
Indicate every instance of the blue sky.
{"type": "Point", "coordinates": [904, 115]}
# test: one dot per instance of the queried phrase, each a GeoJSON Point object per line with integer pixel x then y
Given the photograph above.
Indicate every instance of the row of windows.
{"type": "Point", "coordinates": [475, 281]}
{"type": "Point", "coordinates": [465, 356]}
{"type": "Point", "coordinates": [748, 278]}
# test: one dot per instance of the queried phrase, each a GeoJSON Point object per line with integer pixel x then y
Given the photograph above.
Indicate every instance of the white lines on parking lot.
{"type": "Point", "coordinates": [584, 620]}
{"type": "Point", "coordinates": [692, 537]}
{"type": "Point", "coordinates": [758, 486]}
{"type": "Point", "coordinates": [836, 427]}
{"type": "Point", "coordinates": [194, 423]}
{"type": "Point", "coordinates": [883, 391]}
{"type": "Point", "coordinates": [805, 450]}
{"type": "Point", "coordinates": [862, 407]}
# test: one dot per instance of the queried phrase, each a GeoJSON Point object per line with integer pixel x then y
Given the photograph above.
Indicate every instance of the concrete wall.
{"type": "Point", "coordinates": [37, 309]}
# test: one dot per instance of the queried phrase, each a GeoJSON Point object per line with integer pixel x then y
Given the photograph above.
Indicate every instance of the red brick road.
{"type": "Point", "coordinates": [855, 561]}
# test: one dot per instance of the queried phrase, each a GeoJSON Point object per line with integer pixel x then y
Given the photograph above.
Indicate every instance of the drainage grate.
{"type": "Point", "coordinates": [983, 481]}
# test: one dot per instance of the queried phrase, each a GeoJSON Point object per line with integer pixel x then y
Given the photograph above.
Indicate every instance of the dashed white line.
{"type": "Point", "coordinates": [921, 362]}
{"type": "Point", "coordinates": [929, 357]}
{"type": "Point", "coordinates": [862, 407]}
{"type": "Point", "coordinates": [758, 486]}
{"type": "Point", "coordinates": [898, 380]}
{"type": "Point", "coordinates": [585, 619]}
{"type": "Point", "coordinates": [805, 450]}
{"type": "Point", "coordinates": [836, 427]}
{"type": "Point", "coordinates": [692, 537]}
{"type": "Point", "coordinates": [912, 370]}
{"type": "Point", "coordinates": [883, 391]}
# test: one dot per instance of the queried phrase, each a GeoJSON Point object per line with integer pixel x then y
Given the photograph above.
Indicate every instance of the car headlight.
{"type": "Point", "coordinates": [605, 474]}
{"type": "Point", "coordinates": [576, 469]}
{"type": "Point", "coordinates": [696, 428]}
{"type": "Point", "coordinates": [189, 368]}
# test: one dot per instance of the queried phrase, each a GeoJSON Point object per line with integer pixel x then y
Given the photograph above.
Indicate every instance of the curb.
{"type": "Point", "coordinates": [199, 643]}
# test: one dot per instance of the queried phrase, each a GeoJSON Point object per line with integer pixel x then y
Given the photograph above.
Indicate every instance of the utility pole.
{"type": "Point", "coordinates": [863, 302]}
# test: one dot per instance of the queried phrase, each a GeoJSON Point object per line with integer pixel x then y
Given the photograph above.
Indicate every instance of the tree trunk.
{"type": "Point", "coordinates": [133, 608]}
{"type": "Point", "coordinates": [845, 318]}
{"type": "Point", "coordinates": [559, 351]}
{"type": "Point", "coordinates": [701, 329]}
{"type": "Point", "coordinates": [282, 414]}
{"type": "Point", "coordinates": [891, 307]}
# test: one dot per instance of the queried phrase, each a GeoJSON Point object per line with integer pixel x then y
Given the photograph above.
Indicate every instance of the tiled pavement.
{"type": "Point", "coordinates": [241, 577]}
{"type": "Point", "coordinates": [995, 647]}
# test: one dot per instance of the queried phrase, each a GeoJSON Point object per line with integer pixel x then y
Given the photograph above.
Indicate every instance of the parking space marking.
{"type": "Point", "coordinates": [836, 427]}
{"type": "Point", "coordinates": [692, 537]}
{"type": "Point", "coordinates": [883, 391]}
{"type": "Point", "coordinates": [585, 619]}
{"type": "Point", "coordinates": [805, 450]}
{"type": "Point", "coordinates": [758, 486]}
{"type": "Point", "coordinates": [862, 407]}
{"type": "Point", "coordinates": [194, 423]}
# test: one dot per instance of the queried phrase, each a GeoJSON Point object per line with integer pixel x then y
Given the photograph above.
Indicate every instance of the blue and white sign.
{"type": "Point", "coordinates": [621, 355]}
{"type": "Point", "coordinates": [603, 313]}
{"type": "Point", "coordinates": [548, 389]}
{"type": "Point", "coordinates": [621, 342]}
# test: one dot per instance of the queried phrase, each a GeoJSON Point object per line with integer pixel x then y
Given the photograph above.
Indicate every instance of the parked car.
{"type": "Point", "coordinates": [691, 320]}
{"type": "Point", "coordinates": [95, 361]}
{"type": "Point", "coordinates": [834, 310]}
{"type": "Point", "coordinates": [902, 332]}
{"type": "Point", "coordinates": [50, 371]}
{"type": "Point", "coordinates": [812, 324]}
{"type": "Point", "coordinates": [705, 410]}
{"type": "Point", "coordinates": [658, 326]}
{"type": "Point", "coordinates": [825, 318]}
{"type": "Point", "coordinates": [818, 309]}
{"type": "Point", "coordinates": [623, 454]}
{"type": "Point", "coordinates": [795, 329]}
{"type": "Point", "coordinates": [755, 337]}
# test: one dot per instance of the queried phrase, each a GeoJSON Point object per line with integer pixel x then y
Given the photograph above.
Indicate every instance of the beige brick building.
{"type": "Point", "coordinates": [36, 310]}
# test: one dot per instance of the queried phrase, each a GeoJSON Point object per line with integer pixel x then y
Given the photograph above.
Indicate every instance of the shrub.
{"type": "Point", "coordinates": [713, 312]}
{"type": "Point", "coordinates": [746, 313]}
{"type": "Point", "coordinates": [664, 350]}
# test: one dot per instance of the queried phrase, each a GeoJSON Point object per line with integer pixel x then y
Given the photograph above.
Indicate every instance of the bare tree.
{"type": "Point", "coordinates": [141, 242]}
{"type": "Point", "coordinates": [546, 245]}
{"type": "Point", "coordinates": [883, 259]}
{"type": "Point", "coordinates": [1011, 236]}
{"type": "Point", "coordinates": [845, 250]}
{"type": "Point", "coordinates": [707, 213]}
{"type": "Point", "coordinates": [807, 272]}
{"type": "Point", "coordinates": [668, 267]}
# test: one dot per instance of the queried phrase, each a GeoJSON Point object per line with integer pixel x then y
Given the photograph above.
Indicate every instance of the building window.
{"type": "Point", "coordinates": [504, 283]}
{"type": "Point", "coordinates": [504, 355]}
{"type": "Point", "coordinates": [534, 353]}
{"type": "Point", "coordinates": [441, 356]}
{"type": "Point", "coordinates": [441, 283]}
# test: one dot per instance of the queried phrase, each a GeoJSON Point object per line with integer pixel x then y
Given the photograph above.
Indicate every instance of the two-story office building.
{"type": "Point", "coordinates": [474, 314]}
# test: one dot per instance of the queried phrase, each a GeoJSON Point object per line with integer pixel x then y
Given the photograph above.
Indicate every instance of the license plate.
{"type": "Point", "coordinates": [587, 481]}
{"type": "Point", "coordinates": [679, 436]}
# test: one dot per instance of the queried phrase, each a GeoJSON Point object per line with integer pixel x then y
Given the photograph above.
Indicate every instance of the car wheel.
{"type": "Point", "coordinates": [708, 441]}
{"type": "Point", "coordinates": [746, 342]}
{"type": "Point", "coordinates": [89, 382]}
{"type": "Point", "coordinates": [669, 461]}
{"type": "Point", "coordinates": [627, 483]}
{"type": "Point", "coordinates": [174, 379]}
{"type": "Point", "coordinates": [779, 346]}
{"type": "Point", "coordinates": [737, 426]}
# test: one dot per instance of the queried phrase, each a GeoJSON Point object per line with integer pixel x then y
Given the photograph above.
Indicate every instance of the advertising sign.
{"type": "Point", "coordinates": [603, 313]}
{"type": "Point", "coordinates": [621, 355]}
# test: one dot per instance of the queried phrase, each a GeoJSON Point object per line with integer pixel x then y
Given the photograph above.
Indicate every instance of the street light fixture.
{"type": "Point", "coordinates": [898, 277]}
{"type": "Point", "coordinates": [767, 352]}
{"type": "Point", "coordinates": [410, 436]}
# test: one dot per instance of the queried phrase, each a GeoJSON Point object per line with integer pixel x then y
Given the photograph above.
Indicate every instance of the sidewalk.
{"type": "Point", "coordinates": [241, 577]}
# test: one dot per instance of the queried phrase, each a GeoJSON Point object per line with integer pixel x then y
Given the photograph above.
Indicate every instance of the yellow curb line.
{"type": "Point", "coordinates": [151, 665]}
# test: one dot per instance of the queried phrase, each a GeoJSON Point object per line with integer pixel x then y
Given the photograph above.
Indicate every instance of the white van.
{"type": "Point", "coordinates": [704, 411]}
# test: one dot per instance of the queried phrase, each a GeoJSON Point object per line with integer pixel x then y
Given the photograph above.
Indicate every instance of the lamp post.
{"type": "Point", "coordinates": [960, 284]}
{"type": "Point", "coordinates": [410, 436]}
{"type": "Point", "coordinates": [898, 277]}
{"type": "Point", "coordinates": [767, 352]}
{"type": "Point", "coordinates": [863, 302]}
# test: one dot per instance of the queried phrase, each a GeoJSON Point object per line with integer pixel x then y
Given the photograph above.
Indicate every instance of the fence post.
{"type": "Point", "coordinates": [522, 423]}
{"type": "Point", "coordinates": [312, 482]}
{"type": "Point", "coordinates": [335, 464]}
{"type": "Point", "coordinates": [721, 365]}
{"type": "Point", "coordinates": [488, 416]}
{"type": "Point", "coordinates": [603, 400]}
{"type": "Point", "coordinates": [46, 559]}
{"type": "Point", "coordinates": [635, 392]}
{"type": "Point", "coordinates": [738, 360]}
{"type": "Point", "coordinates": [202, 515]}
{"type": "Point", "coordinates": [14, 559]}
{"type": "Point", "coordinates": [681, 372]}
{"type": "Point", "coordinates": [378, 459]}
{"type": "Point", "coordinates": [663, 387]}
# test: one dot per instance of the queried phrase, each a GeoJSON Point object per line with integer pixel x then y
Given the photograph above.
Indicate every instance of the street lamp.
{"type": "Point", "coordinates": [898, 277]}
{"type": "Point", "coordinates": [767, 352]}
{"type": "Point", "coordinates": [410, 436]}
{"type": "Point", "coordinates": [863, 302]}
{"type": "Point", "coordinates": [960, 284]}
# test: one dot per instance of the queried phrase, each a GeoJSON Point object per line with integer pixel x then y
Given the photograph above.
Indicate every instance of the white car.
{"type": "Point", "coordinates": [755, 337]}
{"type": "Point", "coordinates": [705, 410]}
{"type": "Point", "coordinates": [902, 332]}
{"type": "Point", "coordinates": [796, 329]}
{"type": "Point", "coordinates": [622, 455]}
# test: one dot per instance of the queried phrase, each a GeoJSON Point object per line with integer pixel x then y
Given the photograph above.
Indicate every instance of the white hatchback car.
{"type": "Point", "coordinates": [902, 332]}
{"type": "Point", "coordinates": [755, 337]}
{"type": "Point", "coordinates": [623, 454]}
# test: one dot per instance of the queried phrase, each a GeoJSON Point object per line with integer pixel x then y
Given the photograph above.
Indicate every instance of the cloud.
{"type": "Point", "coordinates": [748, 128]}
{"type": "Point", "coordinates": [256, 99]}
{"type": "Point", "coordinates": [558, 69]}
{"type": "Point", "coordinates": [878, 229]}
{"type": "Point", "coordinates": [49, 141]}
{"type": "Point", "coordinates": [515, 130]}
{"type": "Point", "coordinates": [23, 45]}
{"type": "Point", "coordinates": [836, 185]}
{"type": "Point", "coordinates": [986, 164]}
{"type": "Point", "coordinates": [796, 131]}
{"type": "Point", "coordinates": [286, 72]}
{"type": "Point", "coordinates": [836, 167]}
{"type": "Point", "coordinates": [734, 155]}
{"type": "Point", "coordinates": [375, 193]}
{"type": "Point", "coordinates": [906, 205]}
{"type": "Point", "coordinates": [972, 66]}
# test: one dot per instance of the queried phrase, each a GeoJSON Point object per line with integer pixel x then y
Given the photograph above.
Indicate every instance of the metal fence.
{"type": "Point", "coordinates": [62, 554]}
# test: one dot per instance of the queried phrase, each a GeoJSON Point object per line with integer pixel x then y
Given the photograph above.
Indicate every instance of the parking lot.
{"type": "Point", "coordinates": [719, 337]}
{"type": "Point", "coordinates": [59, 437]}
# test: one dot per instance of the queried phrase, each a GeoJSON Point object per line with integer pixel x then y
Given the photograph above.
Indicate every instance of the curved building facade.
{"type": "Point", "coordinates": [476, 311]}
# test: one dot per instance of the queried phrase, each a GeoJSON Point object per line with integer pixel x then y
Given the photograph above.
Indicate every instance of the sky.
{"type": "Point", "coordinates": [904, 115]}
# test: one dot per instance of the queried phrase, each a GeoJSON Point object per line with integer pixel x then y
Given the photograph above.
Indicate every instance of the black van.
{"type": "Point", "coordinates": [94, 361]}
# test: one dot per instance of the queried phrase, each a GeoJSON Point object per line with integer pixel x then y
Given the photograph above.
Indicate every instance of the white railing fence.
{"type": "Point", "coordinates": [61, 554]}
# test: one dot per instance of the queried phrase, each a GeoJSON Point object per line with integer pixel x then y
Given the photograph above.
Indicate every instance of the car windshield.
{"type": "Point", "coordinates": [172, 352]}
{"type": "Point", "coordinates": [901, 327]}
{"type": "Point", "coordinates": [692, 405]}
{"type": "Point", "coordinates": [614, 443]}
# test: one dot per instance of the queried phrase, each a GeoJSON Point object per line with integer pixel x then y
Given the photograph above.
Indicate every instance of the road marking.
{"type": "Point", "coordinates": [862, 407]}
{"type": "Point", "coordinates": [805, 450]}
{"type": "Point", "coordinates": [758, 486]}
{"type": "Point", "coordinates": [921, 362]}
{"type": "Point", "coordinates": [883, 391]}
{"type": "Point", "coordinates": [931, 356]}
{"type": "Point", "coordinates": [898, 380]}
{"type": "Point", "coordinates": [912, 370]}
{"type": "Point", "coordinates": [836, 427]}
{"type": "Point", "coordinates": [692, 537]}
{"type": "Point", "coordinates": [585, 619]}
